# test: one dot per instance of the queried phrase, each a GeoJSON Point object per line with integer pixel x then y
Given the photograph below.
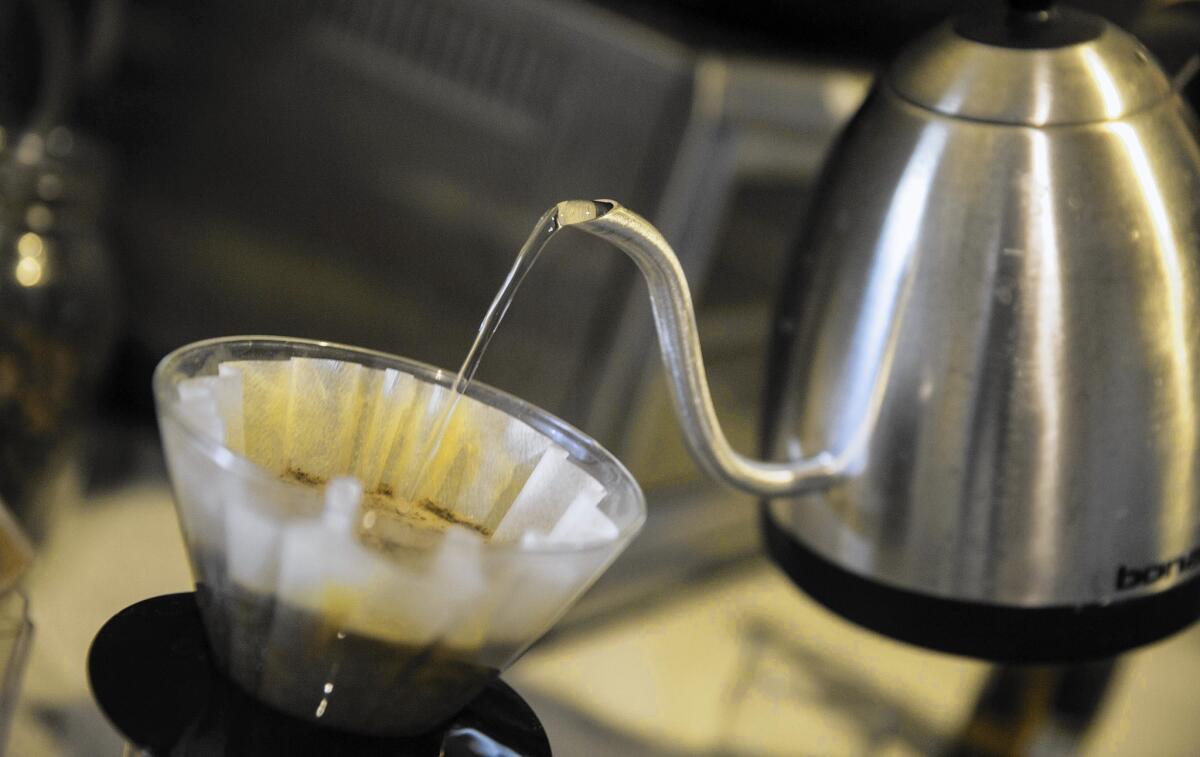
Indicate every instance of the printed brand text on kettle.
{"type": "Point", "coordinates": [1129, 578]}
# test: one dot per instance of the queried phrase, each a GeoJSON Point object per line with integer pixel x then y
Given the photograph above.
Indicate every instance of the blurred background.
{"type": "Point", "coordinates": [364, 171]}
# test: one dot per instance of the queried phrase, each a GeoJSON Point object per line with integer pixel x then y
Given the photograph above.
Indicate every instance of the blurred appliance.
{"type": "Point", "coordinates": [338, 170]}
{"type": "Point", "coordinates": [992, 328]}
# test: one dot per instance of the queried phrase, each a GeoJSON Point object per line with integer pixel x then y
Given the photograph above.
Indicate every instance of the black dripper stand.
{"type": "Point", "coordinates": [152, 676]}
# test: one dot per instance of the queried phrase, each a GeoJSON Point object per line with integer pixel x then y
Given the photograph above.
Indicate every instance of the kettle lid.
{"type": "Point", "coordinates": [1031, 64]}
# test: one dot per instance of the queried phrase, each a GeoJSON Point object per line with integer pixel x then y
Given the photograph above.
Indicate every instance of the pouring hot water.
{"type": "Point", "coordinates": [378, 530]}
{"type": "Point", "coordinates": [678, 339]}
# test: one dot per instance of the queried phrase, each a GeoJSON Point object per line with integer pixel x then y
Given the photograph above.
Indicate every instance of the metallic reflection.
{"type": "Point", "coordinates": [873, 343]}
{"type": "Point", "coordinates": [1047, 365]}
{"type": "Point", "coordinates": [1041, 94]}
{"type": "Point", "coordinates": [1175, 534]}
{"type": "Point", "coordinates": [1110, 93]}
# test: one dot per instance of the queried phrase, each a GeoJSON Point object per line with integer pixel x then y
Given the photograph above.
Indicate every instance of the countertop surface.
{"type": "Point", "coordinates": [728, 660]}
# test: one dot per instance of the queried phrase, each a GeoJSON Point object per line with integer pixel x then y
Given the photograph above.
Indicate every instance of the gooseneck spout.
{"type": "Point", "coordinates": [679, 343]}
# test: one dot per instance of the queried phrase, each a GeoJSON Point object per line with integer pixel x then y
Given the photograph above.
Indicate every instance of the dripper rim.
{"type": "Point", "coordinates": [565, 435]}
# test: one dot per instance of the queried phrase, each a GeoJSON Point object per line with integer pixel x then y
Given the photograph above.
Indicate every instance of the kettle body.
{"type": "Point", "coordinates": [994, 324]}
{"type": "Point", "coordinates": [982, 424]}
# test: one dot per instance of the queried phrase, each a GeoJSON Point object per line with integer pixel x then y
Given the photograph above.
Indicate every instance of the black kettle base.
{"type": "Point", "coordinates": [1000, 633]}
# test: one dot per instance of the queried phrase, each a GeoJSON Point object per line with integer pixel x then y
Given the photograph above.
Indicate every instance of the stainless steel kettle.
{"type": "Point", "coordinates": [986, 385]}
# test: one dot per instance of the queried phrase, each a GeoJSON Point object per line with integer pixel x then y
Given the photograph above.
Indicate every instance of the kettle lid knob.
{"type": "Point", "coordinates": [1031, 6]}
{"type": "Point", "coordinates": [1032, 63]}
{"type": "Point", "coordinates": [1031, 25]}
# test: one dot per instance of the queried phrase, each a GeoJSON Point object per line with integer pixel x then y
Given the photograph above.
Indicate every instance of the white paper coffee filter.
{"type": "Point", "coordinates": [230, 403]}
{"type": "Point", "coordinates": [266, 387]}
{"type": "Point", "coordinates": [388, 398]}
{"type": "Point", "coordinates": [252, 537]}
{"type": "Point", "coordinates": [219, 399]}
{"type": "Point", "coordinates": [322, 421]}
{"type": "Point", "coordinates": [553, 487]}
{"type": "Point", "coordinates": [413, 438]}
{"type": "Point", "coordinates": [326, 569]}
{"type": "Point", "coordinates": [198, 405]}
{"type": "Point", "coordinates": [526, 596]}
{"type": "Point", "coordinates": [331, 430]}
{"type": "Point", "coordinates": [236, 519]}
{"type": "Point", "coordinates": [318, 419]}
{"type": "Point", "coordinates": [582, 521]}
{"type": "Point", "coordinates": [482, 463]}
{"type": "Point", "coordinates": [200, 511]}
